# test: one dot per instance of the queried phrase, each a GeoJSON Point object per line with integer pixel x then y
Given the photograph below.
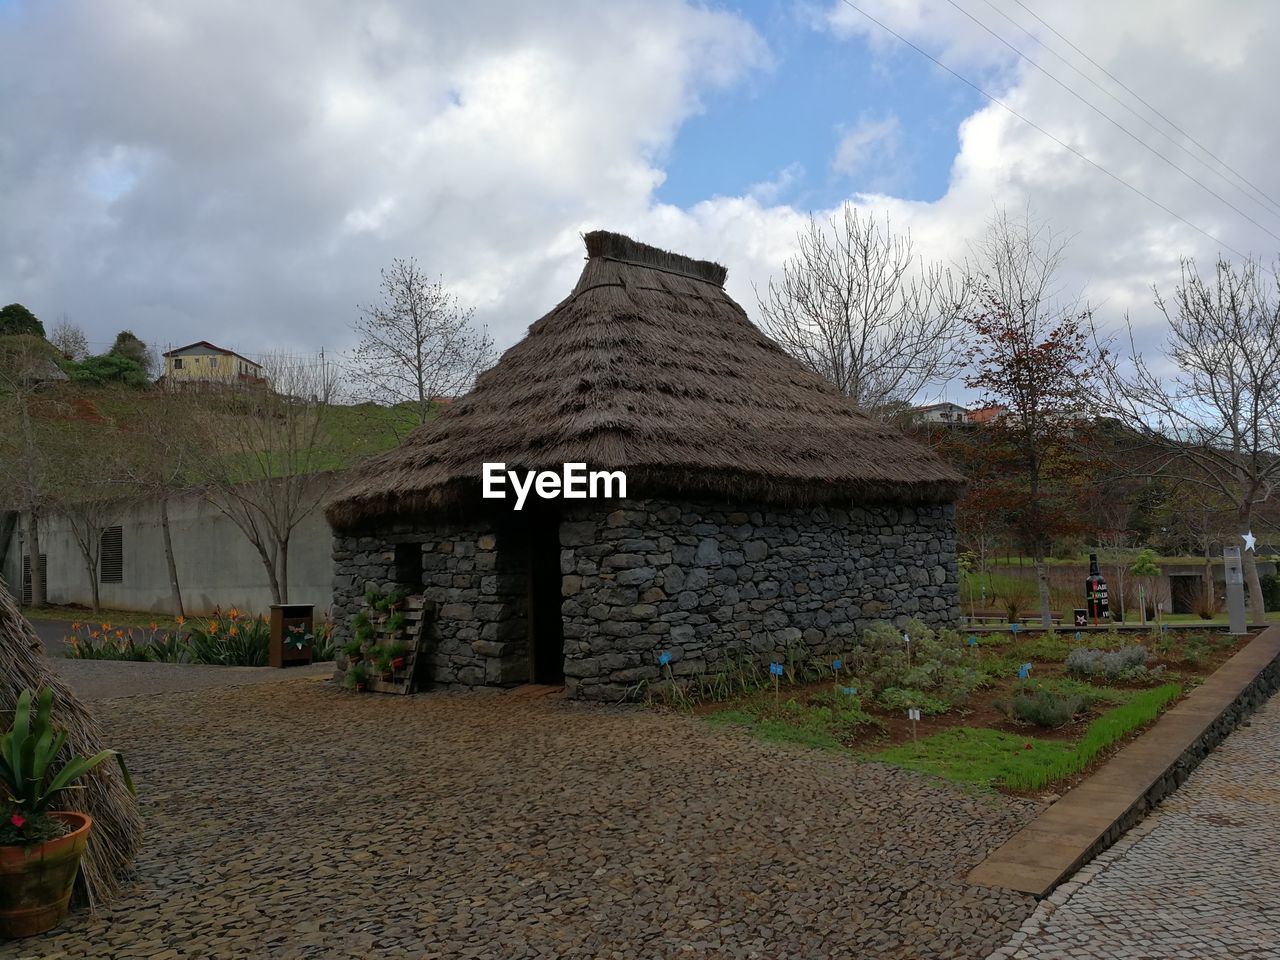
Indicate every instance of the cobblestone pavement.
{"type": "Point", "coordinates": [106, 679]}
{"type": "Point", "coordinates": [295, 820]}
{"type": "Point", "coordinates": [1197, 879]}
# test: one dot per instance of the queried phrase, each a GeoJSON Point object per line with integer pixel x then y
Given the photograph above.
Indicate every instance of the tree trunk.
{"type": "Point", "coordinates": [1257, 608]}
{"type": "Point", "coordinates": [1210, 602]}
{"type": "Point", "coordinates": [37, 575]}
{"type": "Point", "coordinates": [91, 568]}
{"type": "Point", "coordinates": [269, 564]}
{"type": "Point", "coordinates": [175, 591]}
{"type": "Point", "coordinates": [1042, 581]}
{"type": "Point", "coordinates": [284, 571]}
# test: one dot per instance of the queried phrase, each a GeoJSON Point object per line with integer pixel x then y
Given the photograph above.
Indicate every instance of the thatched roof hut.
{"type": "Point", "coordinates": [649, 367]}
{"type": "Point", "coordinates": [117, 828]}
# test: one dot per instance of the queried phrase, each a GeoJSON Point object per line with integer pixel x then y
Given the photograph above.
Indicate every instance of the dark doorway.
{"type": "Point", "coordinates": [546, 629]}
{"type": "Point", "coordinates": [409, 566]}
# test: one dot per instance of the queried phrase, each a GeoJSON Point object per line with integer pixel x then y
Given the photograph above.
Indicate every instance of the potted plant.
{"type": "Point", "coordinates": [40, 849]}
{"type": "Point", "coordinates": [384, 665]}
{"type": "Point", "coordinates": [395, 624]}
{"type": "Point", "coordinates": [353, 650]}
{"type": "Point", "coordinates": [358, 677]}
{"type": "Point", "coordinates": [397, 652]}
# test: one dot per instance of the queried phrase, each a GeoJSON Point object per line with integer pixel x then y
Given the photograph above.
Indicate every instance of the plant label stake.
{"type": "Point", "coordinates": [664, 660]}
{"type": "Point", "coordinates": [775, 671]}
{"type": "Point", "coordinates": [906, 639]}
{"type": "Point", "coordinates": [835, 669]}
{"type": "Point", "coordinates": [913, 714]}
{"type": "Point", "coordinates": [973, 645]}
{"type": "Point", "coordinates": [1024, 672]}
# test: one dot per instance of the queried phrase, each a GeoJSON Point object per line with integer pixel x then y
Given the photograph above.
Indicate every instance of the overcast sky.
{"type": "Point", "coordinates": [239, 171]}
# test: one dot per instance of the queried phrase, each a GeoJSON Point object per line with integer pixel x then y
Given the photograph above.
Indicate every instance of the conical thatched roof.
{"type": "Point", "coordinates": [650, 367]}
{"type": "Point", "coordinates": [117, 829]}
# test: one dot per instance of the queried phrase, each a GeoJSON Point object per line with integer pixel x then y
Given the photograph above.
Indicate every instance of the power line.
{"type": "Point", "coordinates": [1129, 90]}
{"type": "Point", "coordinates": [1031, 123]}
{"type": "Point", "coordinates": [1252, 192]}
{"type": "Point", "coordinates": [1118, 125]}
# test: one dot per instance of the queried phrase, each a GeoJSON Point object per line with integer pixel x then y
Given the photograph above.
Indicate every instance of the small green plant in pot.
{"type": "Point", "coordinates": [397, 652]}
{"type": "Point", "coordinates": [384, 665]}
{"type": "Point", "coordinates": [358, 677]}
{"type": "Point", "coordinates": [40, 848]}
{"type": "Point", "coordinates": [353, 650]}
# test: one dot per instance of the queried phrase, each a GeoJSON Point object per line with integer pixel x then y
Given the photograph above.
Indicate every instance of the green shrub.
{"type": "Point", "coordinates": [1271, 591]}
{"type": "Point", "coordinates": [1127, 664]}
{"type": "Point", "coordinates": [902, 699]}
{"type": "Point", "coordinates": [938, 668]}
{"type": "Point", "coordinates": [1042, 708]}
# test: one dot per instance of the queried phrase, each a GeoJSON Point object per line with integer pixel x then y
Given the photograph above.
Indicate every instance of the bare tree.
{"type": "Point", "coordinates": [69, 339]}
{"type": "Point", "coordinates": [1213, 422]}
{"type": "Point", "coordinates": [264, 458]}
{"type": "Point", "coordinates": [27, 467]}
{"type": "Point", "coordinates": [1029, 356]}
{"type": "Point", "coordinates": [856, 305]}
{"type": "Point", "coordinates": [418, 344]}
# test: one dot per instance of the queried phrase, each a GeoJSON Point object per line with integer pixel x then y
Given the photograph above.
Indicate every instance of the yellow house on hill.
{"type": "Point", "coordinates": [203, 362]}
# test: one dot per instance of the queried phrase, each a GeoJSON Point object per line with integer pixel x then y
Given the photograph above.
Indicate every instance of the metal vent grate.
{"type": "Point", "coordinates": [111, 556]}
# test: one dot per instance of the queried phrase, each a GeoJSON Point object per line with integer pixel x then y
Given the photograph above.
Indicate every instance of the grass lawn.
{"type": "Point", "coordinates": [1019, 712]}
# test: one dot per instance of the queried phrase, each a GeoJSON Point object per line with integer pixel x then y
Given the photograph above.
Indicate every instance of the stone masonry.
{"type": "Point", "coordinates": [705, 581]}
{"type": "Point", "coordinates": [480, 633]}
{"type": "Point", "coordinates": [702, 581]}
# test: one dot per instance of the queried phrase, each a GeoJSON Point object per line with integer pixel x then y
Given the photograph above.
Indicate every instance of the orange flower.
{"type": "Point", "coordinates": [233, 631]}
{"type": "Point", "coordinates": [233, 614]}
{"type": "Point", "coordinates": [106, 627]}
{"type": "Point", "coordinates": [95, 634]}
{"type": "Point", "coordinates": [179, 619]}
{"type": "Point", "coordinates": [213, 626]}
{"type": "Point", "coordinates": [119, 634]}
{"type": "Point", "coordinates": [75, 626]}
{"type": "Point", "coordinates": [153, 625]}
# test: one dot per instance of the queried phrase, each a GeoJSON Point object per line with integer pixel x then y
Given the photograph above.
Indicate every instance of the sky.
{"type": "Point", "coordinates": [239, 172]}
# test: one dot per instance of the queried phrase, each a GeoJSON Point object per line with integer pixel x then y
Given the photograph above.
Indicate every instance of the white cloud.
{"type": "Point", "coordinates": [241, 171]}
{"type": "Point", "coordinates": [871, 141]}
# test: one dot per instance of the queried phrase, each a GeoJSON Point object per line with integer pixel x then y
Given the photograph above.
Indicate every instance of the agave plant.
{"type": "Point", "coordinates": [28, 755]}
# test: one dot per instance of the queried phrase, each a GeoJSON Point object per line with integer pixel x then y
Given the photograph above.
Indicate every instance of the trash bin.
{"type": "Point", "coordinates": [292, 633]}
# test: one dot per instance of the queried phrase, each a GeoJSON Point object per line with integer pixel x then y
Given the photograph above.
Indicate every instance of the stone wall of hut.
{"type": "Point", "coordinates": [480, 632]}
{"type": "Point", "coordinates": [702, 582]}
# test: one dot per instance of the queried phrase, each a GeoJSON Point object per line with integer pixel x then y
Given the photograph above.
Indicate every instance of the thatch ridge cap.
{"type": "Point", "coordinates": [606, 245]}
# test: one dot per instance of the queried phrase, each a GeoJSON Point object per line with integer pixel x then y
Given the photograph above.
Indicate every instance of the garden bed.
{"type": "Point", "coordinates": [1085, 704]}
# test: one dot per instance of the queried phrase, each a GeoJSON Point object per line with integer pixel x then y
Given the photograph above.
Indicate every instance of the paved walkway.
{"type": "Point", "coordinates": [1198, 878]}
{"type": "Point", "coordinates": [294, 820]}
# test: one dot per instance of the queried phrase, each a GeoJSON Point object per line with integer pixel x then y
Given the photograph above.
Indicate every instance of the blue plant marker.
{"type": "Point", "coordinates": [972, 641]}
{"type": "Point", "coordinates": [664, 657]}
{"type": "Point", "coordinates": [775, 669]}
{"type": "Point", "coordinates": [850, 691]}
{"type": "Point", "coordinates": [1024, 671]}
{"type": "Point", "coordinates": [1077, 636]}
{"type": "Point", "coordinates": [836, 665]}
{"type": "Point", "coordinates": [1013, 628]}
{"type": "Point", "coordinates": [1164, 627]}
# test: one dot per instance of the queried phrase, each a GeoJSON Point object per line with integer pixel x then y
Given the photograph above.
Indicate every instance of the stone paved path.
{"type": "Point", "coordinates": [294, 820]}
{"type": "Point", "coordinates": [1199, 878]}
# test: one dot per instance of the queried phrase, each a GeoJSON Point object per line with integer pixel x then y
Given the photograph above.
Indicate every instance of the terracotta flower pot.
{"type": "Point", "coordinates": [361, 686]}
{"type": "Point", "coordinates": [36, 881]}
{"type": "Point", "coordinates": [398, 663]}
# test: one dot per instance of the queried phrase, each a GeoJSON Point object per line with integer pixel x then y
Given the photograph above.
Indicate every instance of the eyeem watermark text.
{"type": "Point", "coordinates": [573, 482]}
